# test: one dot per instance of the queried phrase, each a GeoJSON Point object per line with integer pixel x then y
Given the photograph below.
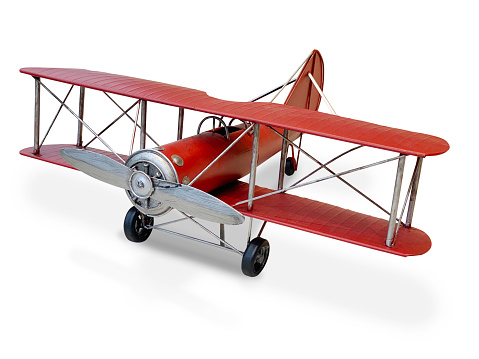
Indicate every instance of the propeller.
{"type": "Point", "coordinates": [181, 197]}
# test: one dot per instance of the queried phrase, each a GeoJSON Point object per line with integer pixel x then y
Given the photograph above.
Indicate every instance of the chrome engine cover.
{"type": "Point", "coordinates": [148, 163]}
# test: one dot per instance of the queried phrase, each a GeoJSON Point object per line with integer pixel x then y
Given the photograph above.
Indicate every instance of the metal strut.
{"type": "Point", "coordinates": [415, 184]}
{"type": "Point", "coordinates": [395, 202]}
{"type": "Point", "coordinates": [74, 114]}
{"type": "Point", "coordinates": [143, 124]}
{"type": "Point", "coordinates": [282, 162]}
{"type": "Point", "coordinates": [81, 114]}
{"type": "Point", "coordinates": [317, 180]}
{"type": "Point", "coordinates": [252, 176]}
{"type": "Point", "coordinates": [112, 123]}
{"type": "Point", "coordinates": [181, 118]}
{"type": "Point", "coordinates": [254, 165]}
{"type": "Point", "coordinates": [36, 118]}
{"type": "Point", "coordinates": [130, 118]}
{"type": "Point", "coordinates": [56, 116]}
{"type": "Point", "coordinates": [223, 244]}
{"type": "Point", "coordinates": [329, 170]}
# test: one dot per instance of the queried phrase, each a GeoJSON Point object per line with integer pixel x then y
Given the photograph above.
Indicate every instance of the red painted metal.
{"type": "Point", "coordinates": [325, 219]}
{"type": "Point", "coordinates": [285, 209]}
{"type": "Point", "coordinates": [197, 152]}
{"type": "Point", "coordinates": [283, 116]}
{"type": "Point", "coordinates": [51, 154]}
{"type": "Point", "coordinates": [298, 115]}
{"type": "Point", "coordinates": [303, 94]}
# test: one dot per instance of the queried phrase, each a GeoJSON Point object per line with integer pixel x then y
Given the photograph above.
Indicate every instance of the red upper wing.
{"type": "Point", "coordinates": [288, 117]}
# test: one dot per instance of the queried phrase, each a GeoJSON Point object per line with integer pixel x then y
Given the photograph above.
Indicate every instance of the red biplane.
{"type": "Point", "coordinates": [199, 175]}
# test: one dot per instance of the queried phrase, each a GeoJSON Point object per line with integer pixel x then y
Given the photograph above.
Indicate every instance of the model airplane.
{"type": "Point", "coordinates": [198, 176]}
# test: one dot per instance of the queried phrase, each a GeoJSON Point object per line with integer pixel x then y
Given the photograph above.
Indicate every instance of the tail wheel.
{"type": "Point", "coordinates": [290, 166]}
{"type": "Point", "coordinates": [135, 224]}
{"type": "Point", "coordinates": [255, 257]}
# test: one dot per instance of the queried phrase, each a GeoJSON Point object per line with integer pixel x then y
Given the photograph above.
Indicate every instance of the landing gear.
{"type": "Point", "coordinates": [135, 224]}
{"type": "Point", "coordinates": [255, 257]}
{"type": "Point", "coordinates": [290, 166]}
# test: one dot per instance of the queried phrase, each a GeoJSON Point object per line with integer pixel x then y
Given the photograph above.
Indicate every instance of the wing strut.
{"type": "Point", "coordinates": [252, 175]}
{"type": "Point", "coordinates": [37, 118]}
{"type": "Point", "coordinates": [394, 206]}
{"type": "Point", "coordinates": [251, 199]}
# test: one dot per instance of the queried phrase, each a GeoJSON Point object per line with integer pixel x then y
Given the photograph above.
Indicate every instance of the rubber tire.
{"type": "Point", "coordinates": [133, 227]}
{"type": "Point", "coordinates": [289, 167]}
{"type": "Point", "coordinates": [255, 257]}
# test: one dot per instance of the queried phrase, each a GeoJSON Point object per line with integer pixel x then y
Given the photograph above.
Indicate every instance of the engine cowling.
{"type": "Point", "coordinates": [155, 165]}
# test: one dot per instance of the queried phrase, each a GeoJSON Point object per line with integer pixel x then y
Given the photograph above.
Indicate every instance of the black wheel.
{"type": "Point", "coordinates": [289, 168]}
{"type": "Point", "coordinates": [134, 225]}
{"type": "Point", "coordinates": [255, 257]}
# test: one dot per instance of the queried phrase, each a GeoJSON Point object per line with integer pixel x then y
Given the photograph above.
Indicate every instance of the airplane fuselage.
{"type": "Point", "coordinates": [199, 151]}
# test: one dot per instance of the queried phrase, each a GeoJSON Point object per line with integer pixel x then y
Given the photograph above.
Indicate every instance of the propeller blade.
{"type": "Point", "coordinates": [183, 198]}
{"type": "Point", "coordinates": [195, 202]}
{"type": "Point", "coordinates": [98, 166]}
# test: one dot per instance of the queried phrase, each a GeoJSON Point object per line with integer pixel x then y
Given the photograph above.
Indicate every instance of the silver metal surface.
{"type": "Point", "coordinates": [130, 118]}
{"type": "Point", "coordinates": [250, 230]}
{"type": "Point", "coordinates": [56, 116]}
{"type": "Point", "coordinates": [181, 118]}
{"type": "Point", "coordinates": [395, 202]}
{"type": "Point", "coordinates": [143, 124]}
{"type": "Point", "coordinates": [177, 160]}
{"type": "Point", "coordinates": [223, 244]}
{"type": "Point", "coordinates": [141, 184]}
{"type": "Point", "coordinates": [79, 119]}
{"type": "Point", "coordinates": [156, 165]}
{"type": "Point", "coordinates": [36, 118]}
{"type": "Point", "coordinates": [221, 154]}
{"type": "Point", "coordinates": [81, 114]}
{"type": "Point", "coordinates": [412, 200]}
{"type": "Point", "coordinates": [156, 226]}
{"type": "Point", "coordinates": [318, 180]}
{"type": "Point", "coordinates": [98, 166]}
{"type": "Point", "coordinates": [226, 244]}
{"type": "Point", "coordinates": [404, 206]}
{"type": "Point", "coordinates": [135, 125]}
{"type": "Point", "coordinates": [215, 118]}
{"type": "Point", "coordinates": [199, 240]}
{"type": "Point", "coordinates": [137, 182]}
{"type": "Point", "coordinates": [254, 165]}
{"type": "Point", "coordinates": [195, 202]}
{"type": "Point", "coordinates": [282, 161]}
{"type": "Point", "coordinates": [222, 234]}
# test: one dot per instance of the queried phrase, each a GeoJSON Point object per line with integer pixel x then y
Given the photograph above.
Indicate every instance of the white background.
{"type": "Point", "coordinates": [74, 287]}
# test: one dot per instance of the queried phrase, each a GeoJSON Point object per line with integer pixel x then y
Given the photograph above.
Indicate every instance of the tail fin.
{"type": "Point", "coordinates": [303, 94]}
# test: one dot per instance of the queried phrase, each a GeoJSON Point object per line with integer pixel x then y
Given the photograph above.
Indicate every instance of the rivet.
{"type": "Point", "coordinates": [177, 160]}
{"type": "Point", "coordinates": [186, 180]}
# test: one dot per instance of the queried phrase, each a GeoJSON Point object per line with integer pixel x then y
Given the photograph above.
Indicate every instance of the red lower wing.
{"type": "Point", "coordinates": [325, 219]}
